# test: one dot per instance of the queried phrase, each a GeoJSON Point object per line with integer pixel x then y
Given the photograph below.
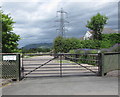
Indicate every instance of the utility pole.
{"type": "Point", "coordinates": [62, 20]}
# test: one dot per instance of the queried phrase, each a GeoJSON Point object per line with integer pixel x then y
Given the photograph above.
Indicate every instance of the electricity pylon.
{"type": "Point", "coordinates": [62, 15]}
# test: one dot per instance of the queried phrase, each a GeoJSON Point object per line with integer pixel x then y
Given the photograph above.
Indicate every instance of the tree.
{"type": "Point", "coordinates": [96, 24]}
{"type": "Point", "coordinates": [9, 38]}
{"type": "Point", "coordinates": [58, 44]}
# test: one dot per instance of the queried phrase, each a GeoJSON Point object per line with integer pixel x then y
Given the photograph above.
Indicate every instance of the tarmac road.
{"type": "Point", "coordinates": [64, 86]}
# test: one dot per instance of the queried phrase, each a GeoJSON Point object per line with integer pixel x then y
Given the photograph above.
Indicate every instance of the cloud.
{"type": "Point", "coordinates": [35, 20]}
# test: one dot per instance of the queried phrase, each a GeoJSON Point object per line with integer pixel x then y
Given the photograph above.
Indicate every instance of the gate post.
{"type": "Point", "coordinates": [100, 67]}
{"type": "Point", "coordinates": [19, 67]}
{"type": "Point", "coordinates": [18, 72]}
{"type": "Point", "coordinates": [22, 66]}
{"type": "Point", "coordinates": [60, 65]}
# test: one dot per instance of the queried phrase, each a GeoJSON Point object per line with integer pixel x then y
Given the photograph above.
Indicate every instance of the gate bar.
{"type": "Point", "coordinates": [86, 68]}
{"type": "Point", "coordinates": [40, 66]}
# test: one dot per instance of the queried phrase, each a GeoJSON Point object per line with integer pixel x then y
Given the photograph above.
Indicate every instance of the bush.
{"type": "Point", "coordinates": [72, 52]}
{"type": "Point", "coordinates": [64, 45]}
{"type": "Point", "coordinates": [109, 40]}
{"type": "Point", "coordinates": [59, 44]}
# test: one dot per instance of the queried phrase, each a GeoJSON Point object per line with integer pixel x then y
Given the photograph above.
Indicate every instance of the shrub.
{"type": "Point", "coordinates": [72, 52]}
{"type": "Point", "coordinates": [109, 40]}
{"type": "Point", "coordinates": [64, 45]}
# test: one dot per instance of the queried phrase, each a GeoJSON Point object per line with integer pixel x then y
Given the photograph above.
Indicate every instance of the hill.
{"type": "Point", "coordinates": [38, 45]}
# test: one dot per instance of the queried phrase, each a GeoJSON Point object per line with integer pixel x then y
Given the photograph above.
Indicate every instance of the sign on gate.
{"type": "Point", "coordinates": [9, 57]}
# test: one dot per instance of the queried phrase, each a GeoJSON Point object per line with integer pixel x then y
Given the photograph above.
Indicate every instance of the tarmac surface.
{"type": "Point", "coordinates": [64, 86]}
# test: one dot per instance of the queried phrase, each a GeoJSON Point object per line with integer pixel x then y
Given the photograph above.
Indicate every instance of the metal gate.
{"type": "Point", "coordinates": [60, 65]}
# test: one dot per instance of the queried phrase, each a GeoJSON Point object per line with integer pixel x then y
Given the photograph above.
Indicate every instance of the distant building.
{"type": "Point", "coordinates": [108, 31]}
{"type": "Point", "coordinates": [89, 34]}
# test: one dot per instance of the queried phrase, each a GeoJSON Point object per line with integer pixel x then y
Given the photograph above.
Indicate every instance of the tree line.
{"type": "Point", "coordinates": [62, 44]}
{"type": "Point", "coordinates": [36, 50]}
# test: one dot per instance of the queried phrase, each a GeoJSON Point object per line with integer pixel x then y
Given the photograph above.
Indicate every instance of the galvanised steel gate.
{"type": "Point", "coordinates": [12, 66]}
{"type": "Point", "coordinates": [52, 65]}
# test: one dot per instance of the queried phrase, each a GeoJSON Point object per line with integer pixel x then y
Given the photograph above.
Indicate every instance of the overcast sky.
{"type": "Point", "coordinates": [35, 21]}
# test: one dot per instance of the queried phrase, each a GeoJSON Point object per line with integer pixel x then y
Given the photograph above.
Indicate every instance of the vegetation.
{"type": "Point", "coordinates": [9, 38]}
{"type": "Point", "coordinates": [38, 45]}
{"type": "Point", "coordinates": [113, 38]}
{"type": "Point", "coordinates": [36, 50]}
{"type": "Point", "coordinates": [64, 45]}
{"type": "Point", "coordinates": [96, 24]}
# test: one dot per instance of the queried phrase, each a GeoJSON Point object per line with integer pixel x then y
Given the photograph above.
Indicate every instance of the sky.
{"type": "Point", "coordinates": [35, 19]}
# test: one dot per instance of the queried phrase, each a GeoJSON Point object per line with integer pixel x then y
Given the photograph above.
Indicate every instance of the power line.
{"type": "Point", "coordinates": [62, 15]}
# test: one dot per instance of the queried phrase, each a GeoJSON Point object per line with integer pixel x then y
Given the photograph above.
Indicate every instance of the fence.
{"type": "Point", "coordinates": [56, 65]}
{"type": "Point", "coordinates": [105, 61]}
{"type": "Point", "coordinates": [87, 58]}
{"type": "Point", "coordinates": [10, 66]}
{"type": "Point", "coordinates": [93, 59]}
